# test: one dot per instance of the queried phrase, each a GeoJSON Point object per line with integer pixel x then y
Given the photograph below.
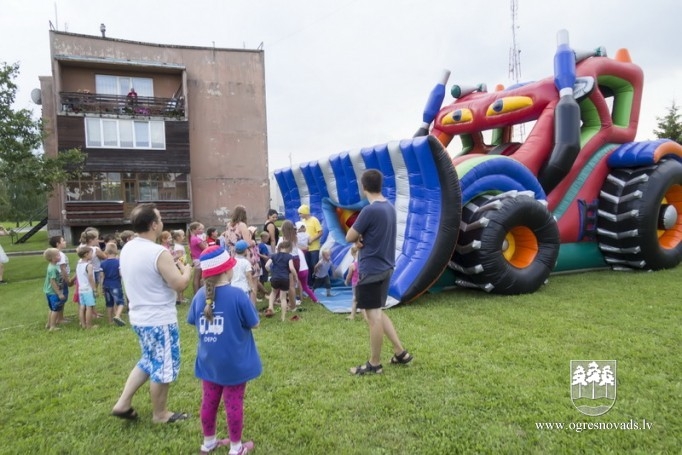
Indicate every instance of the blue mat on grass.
{"type": "Point", "coordinates": [341, 300]}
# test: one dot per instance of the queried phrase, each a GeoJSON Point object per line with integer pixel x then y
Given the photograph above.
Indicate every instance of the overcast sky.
{"type": "Point", "coordinates": [347, 74]}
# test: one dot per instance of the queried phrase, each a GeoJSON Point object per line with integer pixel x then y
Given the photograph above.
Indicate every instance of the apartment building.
{"type": "Point", "coordinates": [181, 126]}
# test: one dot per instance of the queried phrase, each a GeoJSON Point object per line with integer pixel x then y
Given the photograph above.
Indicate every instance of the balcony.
{"type": "Point", "coordinates": [93, 212]}
{"type": "Point", "coordinates": [80, 213]}
{"type": "Point", "coordinates": [82, 103]}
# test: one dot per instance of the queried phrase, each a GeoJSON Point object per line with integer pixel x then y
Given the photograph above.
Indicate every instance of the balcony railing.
{"type": "Point", "coordinates": [141, 106]}
{"type": "Point", "coordinates": [115, 212]}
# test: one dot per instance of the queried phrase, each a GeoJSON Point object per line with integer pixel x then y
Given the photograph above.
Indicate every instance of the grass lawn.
{"type": "Point", "coordinates": [37, 242]}
{"type": "Point", "coordinates": [487, 371]}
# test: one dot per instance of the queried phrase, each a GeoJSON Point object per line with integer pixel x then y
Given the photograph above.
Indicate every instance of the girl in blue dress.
{"type": "Point", "coordinates": [227, 357]}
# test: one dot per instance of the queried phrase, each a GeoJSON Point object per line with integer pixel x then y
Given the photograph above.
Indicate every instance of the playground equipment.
{"type": "Point", "coordinates": [502, 214]}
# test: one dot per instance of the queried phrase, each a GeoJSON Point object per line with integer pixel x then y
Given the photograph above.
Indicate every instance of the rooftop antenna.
{"type": "Point", "coordinates": [515, 61]}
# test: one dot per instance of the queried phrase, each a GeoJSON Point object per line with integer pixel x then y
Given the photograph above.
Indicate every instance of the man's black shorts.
{"type": "Point", "coordinates": [371, 291]}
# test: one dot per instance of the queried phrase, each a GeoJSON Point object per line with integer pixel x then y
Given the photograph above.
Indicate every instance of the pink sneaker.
{"type": "Point", "coordinates": [246, 448]}
{"type": "Point", "coordinates": [205, 450]}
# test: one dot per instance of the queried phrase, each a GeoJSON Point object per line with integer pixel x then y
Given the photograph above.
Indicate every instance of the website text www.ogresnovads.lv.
{"type": "Point", "coordinates": [631, 425]}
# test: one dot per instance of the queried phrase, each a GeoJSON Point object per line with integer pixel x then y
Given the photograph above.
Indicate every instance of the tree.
{"type": "Point", "coordinates": [670, 126]}
{"type": "Point", "coordinates": [27, 175]}
{"type": "Point", "coordinates": [18, 202]}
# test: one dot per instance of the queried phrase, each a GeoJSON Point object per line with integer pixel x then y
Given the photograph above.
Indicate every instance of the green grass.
{"type": "Point", "coordinates": [486, 369]}
{"type": "Point", "coordinates": [37, 242]}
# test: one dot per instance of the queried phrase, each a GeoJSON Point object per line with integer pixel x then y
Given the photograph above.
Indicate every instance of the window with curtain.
{"type": "Point", "coordinates": [123, 133]}
{"type": "Point", "coordinates": [157, 134]}
{"type": "Point", "coordinates": [106, 85]}
{"type": "Point", "coordinates": [109, 133]}
{"type": "Point", "coordinates": [93, 132]}
{"type": "Point", "coordinates": [143, 86]}
{"type": "Point", "coordinates": [121, 85]}
{"type": "Point", "coordinates": [141, 130]}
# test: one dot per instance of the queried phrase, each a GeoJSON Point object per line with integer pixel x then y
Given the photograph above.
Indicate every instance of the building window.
{"type": "Point", "coordinates": [162, 187]}
{"type": "Point", "coordinates": [111, 187]}
{"type": "Point", "coordinates": [120, 85]}
{"type": "Point", "coordinates": [93, 132]}
{"type": "Point", "coordinates": [109, 133]}
{"type": "Point", "coordinates": [141, 131]}
{"type": "Point", "coordinates": [125, 135]}
{"type": "Point", "coordinates": [143, 186]}
{"type": "Point", "coordinates": [121, 133]}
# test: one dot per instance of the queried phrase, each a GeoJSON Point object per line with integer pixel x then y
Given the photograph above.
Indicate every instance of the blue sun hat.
{"type": "Point", "coordinates": [241, 246]}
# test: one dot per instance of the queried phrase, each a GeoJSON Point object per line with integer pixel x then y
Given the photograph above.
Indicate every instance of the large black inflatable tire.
{"type": "Point", "coordinates": [508, 244]}
{"type": "Point", "coordinates": [639, 224]}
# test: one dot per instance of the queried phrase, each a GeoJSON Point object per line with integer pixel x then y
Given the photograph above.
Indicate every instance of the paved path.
{"type": "Point", "coordinates": [35, 253]}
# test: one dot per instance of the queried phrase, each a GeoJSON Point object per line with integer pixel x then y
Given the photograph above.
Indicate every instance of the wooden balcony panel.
{"type": "Point", "coordinates": [100, 212]}
{"type": "Point", "coordinates": [143, 106]}
{"type": "Point", "coordinates": [112, 212]}
{"type": "Point", "coordinates": [174, 210]}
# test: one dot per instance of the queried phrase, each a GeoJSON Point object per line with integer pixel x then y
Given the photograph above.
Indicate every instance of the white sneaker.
{"type": "Point", "coordinates": [298, 302]}
{"type": "Point", "coordinates": [218, 443]}
{"type": "Point", "coordinates": [245, 448]}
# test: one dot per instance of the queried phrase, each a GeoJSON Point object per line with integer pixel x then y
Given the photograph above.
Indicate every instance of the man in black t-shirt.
{"type": "Point", "coordinates": [374, 234]}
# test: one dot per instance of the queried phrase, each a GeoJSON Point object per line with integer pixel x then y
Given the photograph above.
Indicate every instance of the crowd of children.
{"type": "Point", "coordinates": [98, 271]}
{"type": "Point", "coordinates": [231, 272]}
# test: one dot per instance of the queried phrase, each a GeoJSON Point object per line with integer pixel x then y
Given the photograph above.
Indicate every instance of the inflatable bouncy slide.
{"type": "Point", "coordinates": [501, 215]}
{"type": "Point", "coordinates": [420, 182]}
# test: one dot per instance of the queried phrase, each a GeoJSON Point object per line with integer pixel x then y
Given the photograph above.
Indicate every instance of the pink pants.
{"type": "Point", "coordinates": [303, 282]}
{"type": "Point", "coordinates": [233, 397]}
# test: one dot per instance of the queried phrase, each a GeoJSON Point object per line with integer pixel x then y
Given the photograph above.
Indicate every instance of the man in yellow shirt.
{"type": "Point", "coordinates": [314, 229]}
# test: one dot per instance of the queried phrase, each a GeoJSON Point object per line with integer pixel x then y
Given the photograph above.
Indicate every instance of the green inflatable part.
{"type": "Point", "coordinates": [580, 255]}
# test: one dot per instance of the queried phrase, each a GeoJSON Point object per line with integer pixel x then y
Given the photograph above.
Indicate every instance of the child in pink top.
{"type": "Point", "coordinates": [197, 244]}
{"type": "Point", "coordinates": [352, 279]}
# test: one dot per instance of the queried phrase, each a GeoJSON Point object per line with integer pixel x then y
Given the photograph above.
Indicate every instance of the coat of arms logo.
{"type": "Point", "coordinates": [593, 386]}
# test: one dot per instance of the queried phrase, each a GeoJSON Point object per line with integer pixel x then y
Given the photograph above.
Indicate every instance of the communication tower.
{"type": "Point", "coordinates": [515, 62]}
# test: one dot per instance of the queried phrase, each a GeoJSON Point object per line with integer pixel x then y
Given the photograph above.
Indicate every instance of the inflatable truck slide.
{"type": "Point", "coordinates": [499, 215]}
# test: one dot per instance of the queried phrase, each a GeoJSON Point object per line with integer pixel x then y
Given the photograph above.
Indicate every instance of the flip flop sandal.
{"type": "Point", "coordinates": [130, 414]}
{"type": "Point", "coordinates": [176, 417]}
{"type": "Point", "coordinates": [366, 369]}
{"type": "Point", "coordinates": [403, 358]}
